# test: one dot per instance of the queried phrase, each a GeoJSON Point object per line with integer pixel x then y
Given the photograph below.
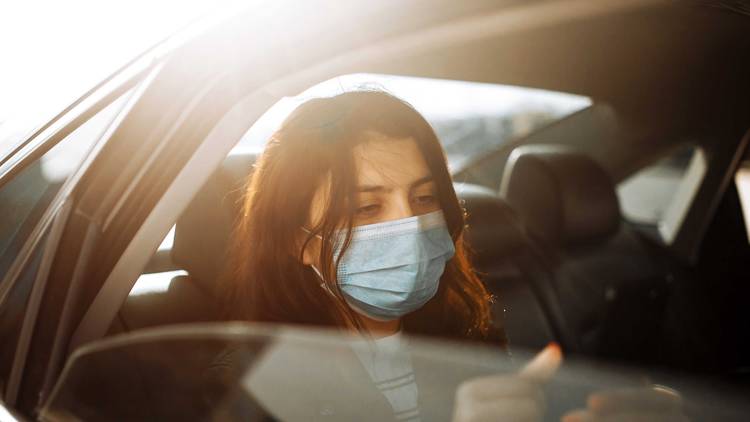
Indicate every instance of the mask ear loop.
{"type": "Point", "coordinates": [323, 283]}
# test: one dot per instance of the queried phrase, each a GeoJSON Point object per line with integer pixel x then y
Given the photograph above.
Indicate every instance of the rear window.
{"type": "Point", "coordinates": [660, 194]}
{"type": "Point", "coordinates": [471, 119]}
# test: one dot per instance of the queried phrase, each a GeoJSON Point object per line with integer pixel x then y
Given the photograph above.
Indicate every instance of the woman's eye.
{"type": "Point", "coordinates": [368, 209]}
{"type": "Point", "coordinates": [425, 199]}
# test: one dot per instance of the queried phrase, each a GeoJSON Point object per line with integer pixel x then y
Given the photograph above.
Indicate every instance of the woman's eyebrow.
{"type": "Point", "coordinates": [421, 181]}
{"type": "Point", "coordinates": [380, 188]}
{"type": "Point", "coordinates": [370, 188]}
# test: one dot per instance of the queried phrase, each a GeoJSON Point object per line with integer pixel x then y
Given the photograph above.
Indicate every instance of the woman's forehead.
{"type": "Point", "coordinates": [380, 161]}
{"type": "Point", "coordinates": [389, 162]}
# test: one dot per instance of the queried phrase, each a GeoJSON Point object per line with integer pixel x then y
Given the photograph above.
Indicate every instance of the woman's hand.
{"type": "Point", "coordinates": [515, 397]}
{"type": "Point", "coordinates": [645, 404]}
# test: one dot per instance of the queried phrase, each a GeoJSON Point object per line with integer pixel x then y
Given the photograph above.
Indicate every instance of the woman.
{"type": "Point", "coordinates": [310, 248]}
{"type": "Point", "coordinates": [350, 220]}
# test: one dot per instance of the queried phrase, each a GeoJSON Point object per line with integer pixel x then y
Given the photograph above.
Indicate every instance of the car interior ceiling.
{"type": "Point", "coordinates": [663, 57]}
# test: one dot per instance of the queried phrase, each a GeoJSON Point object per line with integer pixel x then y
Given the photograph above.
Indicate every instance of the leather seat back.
{"type": "Point", "coordinates": [509, 262]}
{"type": "Point", "coordinates": [563, 195]}
{"type": "Point", "coordinates": [608, 283]}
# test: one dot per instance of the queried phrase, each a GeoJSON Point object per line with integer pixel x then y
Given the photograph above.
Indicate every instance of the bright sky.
{"type": "Point", "coordinates": [52, 51]}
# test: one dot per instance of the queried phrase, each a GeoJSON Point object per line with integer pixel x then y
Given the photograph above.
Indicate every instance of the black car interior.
{"type": "Point", "coordinates": [545, 224]}
{"type": "Point", "coordinates": [608, 283]}
{"type": "Point", "coordinates": [551, 243]}
{"type": "Point", "coordinates": [551, 246]}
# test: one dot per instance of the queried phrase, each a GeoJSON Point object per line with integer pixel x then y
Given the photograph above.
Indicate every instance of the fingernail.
{"type": "Point", "coordinates": [553, 346]}
{"type": "Point", "coordinates": [595, 402]}
{"type": "Point", "coordinates": [570, 418]}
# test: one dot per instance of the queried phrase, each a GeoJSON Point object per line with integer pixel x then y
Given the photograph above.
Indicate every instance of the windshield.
{"type": "Point", "coordinates": [471, 119]}
{"type": "Point", "coordinates": [254, 372]}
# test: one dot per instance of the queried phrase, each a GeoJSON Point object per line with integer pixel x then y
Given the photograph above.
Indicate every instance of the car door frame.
{"type": "Point", "coordinates": [54, 218]}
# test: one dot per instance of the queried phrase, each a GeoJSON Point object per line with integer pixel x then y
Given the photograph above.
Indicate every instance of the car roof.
{"type": "Point", "coordinates": [604, 50]}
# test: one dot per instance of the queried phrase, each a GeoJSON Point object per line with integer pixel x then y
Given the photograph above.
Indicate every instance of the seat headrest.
{"type": "Point", "coordinates": [494, 231]}
{"type": "Point", "coordinates": [562, 195]}
{"type": "Point", "coordinates": [203, 230]}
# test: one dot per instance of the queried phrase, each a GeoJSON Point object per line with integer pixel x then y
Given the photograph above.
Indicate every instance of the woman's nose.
{"type": "Point", "coordinates": [402, 207]}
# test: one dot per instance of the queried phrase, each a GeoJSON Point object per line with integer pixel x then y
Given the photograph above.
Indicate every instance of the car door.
{"type": "Point", "coordinates": [109, 207]}
{"type": "Point", "coordinates": [37, 182]}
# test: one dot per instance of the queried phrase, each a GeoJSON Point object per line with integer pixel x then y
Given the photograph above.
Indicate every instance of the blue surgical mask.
{"type": "Point", "coordinates": [393, 268]}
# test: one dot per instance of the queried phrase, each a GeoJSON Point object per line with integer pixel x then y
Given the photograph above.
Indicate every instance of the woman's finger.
{"type": "Point", "coordinates": [641, 417]}
{"type": "Point", "coordinates": [648, 399]}
{"type": "Point", "coordinates": [508, 397]}
{"type": "Point", "coordinates": [502, 409]}
{"type": "Point", "coordinates": [544, 365]}
{"type": "Point", "coordinates": [579, 415]}
{"type": "Point", "coordinates": [632, 416]}
{"type": "Point", "coordinates": [498, 386]}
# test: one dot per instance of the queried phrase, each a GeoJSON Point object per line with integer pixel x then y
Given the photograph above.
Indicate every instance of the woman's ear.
{"type": "Point", "coordinates": [311, 250]}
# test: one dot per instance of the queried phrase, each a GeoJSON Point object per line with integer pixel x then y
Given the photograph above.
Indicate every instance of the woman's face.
{"type": "Point", "coordinates": [393, 182]}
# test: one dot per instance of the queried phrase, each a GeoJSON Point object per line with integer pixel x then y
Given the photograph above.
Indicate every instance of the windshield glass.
{"type": "Point", "coordinates": [470, 118]}
{"type": "Point", "coordinates": [253, 372]}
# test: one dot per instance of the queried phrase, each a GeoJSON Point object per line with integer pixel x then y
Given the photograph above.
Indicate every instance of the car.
{"type": "Point", "coordinates": [628, 244]}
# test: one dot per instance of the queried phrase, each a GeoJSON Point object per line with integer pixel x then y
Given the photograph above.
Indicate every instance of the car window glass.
{"type": "Point", "coordinates": [254, 372]}
{"type": "Point", "coordinates": [659, 194]}
{"type": "Point", "coordinates": [25, 198]}
{"type": "Point", "coordinates": [470, 118]}
{"type": "Point", "coordinates": [12, 312]}
{"type": "Point", "coordinates": [23, 201]}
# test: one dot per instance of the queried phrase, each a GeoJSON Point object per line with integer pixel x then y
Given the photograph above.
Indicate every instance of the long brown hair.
{"type": "Point", "coordinates": [266, 280]}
